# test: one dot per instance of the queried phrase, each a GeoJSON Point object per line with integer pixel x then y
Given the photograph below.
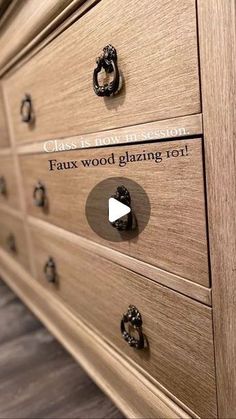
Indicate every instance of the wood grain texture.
{"type": "Point", "coordinates": [74, 10]}
{"type": "Point", "coordinates": [175, 191]}
{"type": "Point", "coordinates": [13, 225]}
{"type": "Point", "coordinates": [217, 53]}
{"type": "Point", "coordinates": [185, 126]}
{"type": "Point", "coordinates": [7, 170]}
{"type": "Point", "coordinates": [159, 66]}
{"type": "Point", "coordinates": [54, 385]}
{"type": "Point", "coordinates": [180, 352]}
{"type": "Point", "coordinates": [4, 142]}
{"type": "Point", "coordinates": [172, 281]}
{"type": "Point", "coordinates": [143, 399]}
{"type": "Point", "coordinates": [26, 20]}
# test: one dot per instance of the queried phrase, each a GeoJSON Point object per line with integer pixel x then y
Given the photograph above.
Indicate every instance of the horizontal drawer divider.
{"type": "Point", "coordinates": [165, 129]}
{"type": "Point", "coordinates": [12, 211]}
{"type": "Point", "coordinates": [169, 280]}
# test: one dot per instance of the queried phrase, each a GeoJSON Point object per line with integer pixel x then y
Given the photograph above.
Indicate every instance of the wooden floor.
{"type": "Point", "coordinates": [38, 378]}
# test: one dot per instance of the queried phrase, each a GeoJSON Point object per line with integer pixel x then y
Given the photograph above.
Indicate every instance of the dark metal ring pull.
{"type": "Point", "coordinates": [122, 195]}
{"type": "Point", "coordinates": [134, 319]}
{"type": "Point", "coordinates": [26, 109]}
{"type": "Point", "coordinates": [108, 62]}
{"type": "Point", "coordinates": [50, 270]}
{"type": "Point", "coordinates": [11, 243]}
{"type": "Point", "coordinates": [3, 186]}
{"type": "Point", "coordinates": [39, 195]}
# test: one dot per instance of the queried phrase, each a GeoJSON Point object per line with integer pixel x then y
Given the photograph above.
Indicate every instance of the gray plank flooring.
{"type": "Point", "coordinates": [38, 378]}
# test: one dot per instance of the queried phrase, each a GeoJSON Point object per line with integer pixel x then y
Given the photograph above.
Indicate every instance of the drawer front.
{"type": "Point", "coordinates": [179, 354]}
{"type": "Point", "coordinates": [175, 236]}
{"type": "Point", "coordinates": [4, 141]}
{"type": "Point", "coordinates": [9, 193]}
{"type": "Point", "coordinates": [13, 238]}
{"type": "Point", "coordinates": [156, 45]}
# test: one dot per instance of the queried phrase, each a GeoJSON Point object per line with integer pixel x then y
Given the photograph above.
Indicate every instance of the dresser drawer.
{"type": "Point", "coordinates": [4, 141]}
{"type": "Point", "coordinates": [9, 193]}
{"type": "Point", "coordinates": [179, 353]}
{"type": "Point", "coordinates": [174, 238]}
{"type": "Point", "coordinates": [157, 57]}
{"type": "Point", "coordinates": [27, 20]}
{"type": "Point", "coordinates": [13, 238]}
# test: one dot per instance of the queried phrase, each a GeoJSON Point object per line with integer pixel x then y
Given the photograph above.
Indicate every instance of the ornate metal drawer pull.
{"type": "Point", "coordinates": [26, 109]}
{"type": "Point", "coordinates": [108, 62]}
{"type": "Point", "coordinates": [50, 270]}
{"type": "Point", "coordinates": [11, 243]}
{"type": "Point", "coordinates": [122, 195]}
{"type": "Point", "coordinates": [3, 186]}
{"type": "Point", "coordinates": [134, 319]}
{"type": "Point", "coordinates": [39, 195]}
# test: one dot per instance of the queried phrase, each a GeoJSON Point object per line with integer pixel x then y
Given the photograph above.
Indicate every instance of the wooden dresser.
{"type": "Point", "coordinates": [135, 101]}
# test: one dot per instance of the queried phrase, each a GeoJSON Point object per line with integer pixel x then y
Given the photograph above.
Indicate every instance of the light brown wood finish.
{"type": "Point", "coordinates": [74, 10]}
{"type": "Point", "coordinates": [25, 21]}
{"type": "Point", "coordinates": [172, 281]}
{"type": "Point", "coordinates": [159, 83]}
{"type": "Point", "coordinates": [217, 59]}
{"type": "Point", "coordinates": [175, 190]}
{"type": "Point", "coordinates": [11, 211]}
{"type": "Point", "coordinates": [6, 151]}
{"type": "Point", "coordinates": [7, 10]}
{"type": "Point", "coordinates": [99, 360]}
{"type": "Point", "coordinates": [180, 351]}
{"type": "Point", "coordinates": [7, 170]}
{"type": "Point", "coordinates": [22, 206]}
{"type": "Point", "coordinates": [182, 127]}
{"type": "Point", "coordinates": [10, 225]}
{"type": "Point", "coordinates": [4, 142]}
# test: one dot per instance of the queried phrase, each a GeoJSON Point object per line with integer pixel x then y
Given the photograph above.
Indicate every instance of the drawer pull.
{"type": "Point", "coordinates": [3, 186]}
{"type": "Point", "coordinates": [108, 62]}
{"type": "Point", "coordinates": [126, 223]}
{"type": "Point", "coordinates": [50, 270]}
{"type": "Point", "coordinates": [26, 110]}
{"type": "Point", "coordinates": [134, 319]}
{"type": "Point", "coordinates": [39, 195]}
{"type": "Point", "coordinates": [11, 243]}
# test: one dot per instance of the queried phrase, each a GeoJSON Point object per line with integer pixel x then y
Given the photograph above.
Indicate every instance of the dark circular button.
{"type": "Point", "coordinates": [117, 209]}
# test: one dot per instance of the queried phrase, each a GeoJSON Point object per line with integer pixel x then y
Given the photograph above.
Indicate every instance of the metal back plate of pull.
{"type": "Point", "coordinates": [3, 186]}
{"type": "Point", "coordinates": [39, 195]}
{"type": "Point", "coordinates": [133, 318]}
{"type": "Point", "coordinates": [50, 270]}
{"type": "Point", "coordinates": [108, 62]}
{"type": "Point", "coordinates": [11, 243]}
{"type": "Point", "coordinates": [26, 109]}
{"type": "Point", "coordinates": [126, 223]}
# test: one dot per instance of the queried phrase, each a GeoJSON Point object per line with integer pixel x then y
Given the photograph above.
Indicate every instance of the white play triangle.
{"type": "Point", "coordinates": [117, 210]}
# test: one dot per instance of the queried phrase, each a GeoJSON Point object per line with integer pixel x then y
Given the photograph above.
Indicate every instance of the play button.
{"type": "Point", "coordinates": [117, 209]}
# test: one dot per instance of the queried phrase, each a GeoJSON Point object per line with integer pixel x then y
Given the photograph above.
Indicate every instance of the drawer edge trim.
{"type": "Point", "coordinates": [181, 127]}
{"type": "Point", "coordinates": [73, 11]}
